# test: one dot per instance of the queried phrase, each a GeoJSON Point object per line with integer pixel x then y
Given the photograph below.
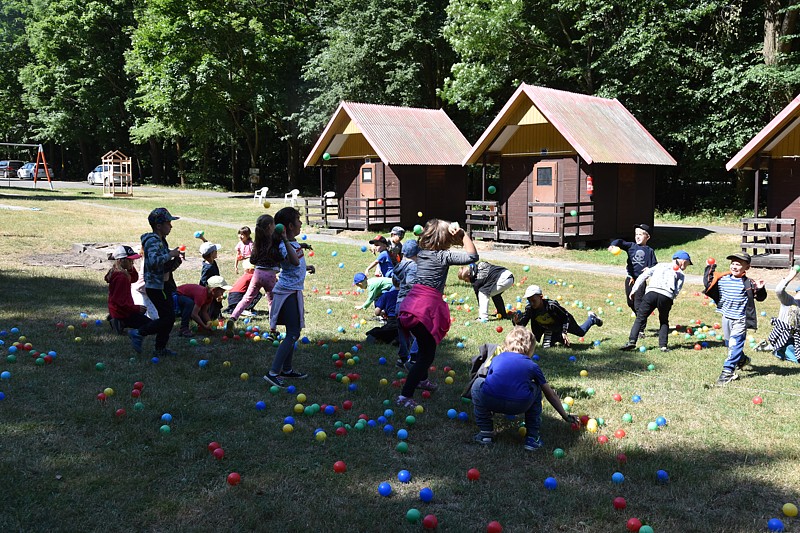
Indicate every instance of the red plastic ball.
{"type": "Point", "coordinates": [430, 522]}
{"type": "Point", "coordinates": [341, 432]}
{"type": "Point", "coordinates": [711, 261]}
{"type": "Point", "coordinates": [138, 385]}
{"type": "Point", "coordinates": [585, 419]}
{"type": "Point", "coordinates": [426, 394]}
{"type": "Point", "coordinates": [498, 329]}
{"type": "Point", "coordinates": [101, 396]}
{"type": "Point", "coordinates": [48, 359]}
{"type": "Point", "coordinates": [213, 446]}
{"type": "Point", "coordinates": [338, 363]}
{"type": "Point", "coordinates": [617, 397]}
{"type": "Point", "coordinates": [219, 453]}
{"type": "Point", "coordinates": [620, 433]}
{"type": "Point", "coordinates": [445, 369]}
{"type": "Point", "coordinates": [234, 479]}
{"type": "Point", "coordinates": [379, 201]}
{"type": "Point", "coordinates": [634, 524]}
{"type": "Point", "coordinates": [622, 458]}
{"type": "Point", "coordinates": [135, 393]}
{"type": "Point", "coordinates": [339, 467]}
{"type": "Point", "coordinates": [602, 439]}
{"type": "Point", "coordinates": [494, 527]}
{"type": "Point", "coordinates": [698, 347]}
{"type": "Point", "coordinates": [758, 400]}
{"type": "Point", "coordinates": [620, 503]}
{"type": "Point", "coordinates": [120, 413]}
{"type": "Point", "coordinates": [347, 405]}
{"type": "Point", "coordinates": [473, 474]}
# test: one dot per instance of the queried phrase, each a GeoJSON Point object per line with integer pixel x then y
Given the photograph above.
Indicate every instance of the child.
{"type": "Point", "coordinates": [735, 295]}
{"type": "Point", "coordinates": [386, 309]}
{"type": "Point", "coordinates": [383, 263]}
{"type": "Point", "coordinates": [513, 385]}
{"type": "Point", "coordinates": [266, 259]}
{"type": "Point", "coordinates": [640, 256]}
{"type": "Point", "coordinates": [210, 268]}
{"type": "Point", "coordinates": [124, 313]}
{"type": "Point", "coordinates": [287, 304]}
{"type": "Point", "coordinates": [423, 312]}
{"type": "Point", "coordinates": [396, 244]}
{"type": "Point", "coordinates": [552, 321]}
{"type": "Point", "coordinates": [666, 281]}
{"type": "Point", "coordinates": [244, 248]}
{"type": "Point", "coordinates": [785, 335]}
{"type": "Point", "coordinates": [239, 290]}
{"type": "Point", "coordinates": [193, 302]}
{"type": "Point", "coordinates": [488, 281]}
{"type": "Point", "coordinates": [374, 287]}
{"type": "Point", "coordinates": [406, 274]}
{"type": "Point", "coordinates": [159, 263]}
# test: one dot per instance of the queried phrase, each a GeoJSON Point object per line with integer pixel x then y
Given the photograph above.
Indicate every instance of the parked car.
{"type": "Point", "coordinates": [103, 172]}
{"type": "Point", "coordinates": [26, 172]}
{"type": "Point", "coordinates": [8, 168]}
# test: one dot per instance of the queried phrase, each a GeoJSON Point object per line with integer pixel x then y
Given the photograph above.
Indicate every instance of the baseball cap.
{"type": "Point", "coordinates": [397, 230]}
{"type": "Point", "coordinates": [358, 278]}
{"type": "Point", "coordinates": [740, 256]}
{"type": "Point", "coordinates": [218, 282]}
{"type": "Point", "coordinates": [207, 247]}
{"type": "Point", "coordinates": [410, 248]}
{"type": "Point", "coordinates": [380, 239]}
{"type": "Point", "coordinates": [532, 290]}
{"type": "Point", "coordinates": [124, 252]}
{"type": "Point", "coordinates": [160, 215]}
{"type": "Point", "coordinates": [644, 227]}
{"type": "Point", "coordinates": [680, 254]}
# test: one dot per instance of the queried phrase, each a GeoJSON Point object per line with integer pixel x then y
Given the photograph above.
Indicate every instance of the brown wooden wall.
{"type": "Point", "coordinates": [783, 190]}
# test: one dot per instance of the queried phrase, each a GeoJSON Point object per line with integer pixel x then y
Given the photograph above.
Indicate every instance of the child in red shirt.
{"type": "Point", "coordinates": [193, 302]}
{"type": "Point", "coordinates": [124, 313]}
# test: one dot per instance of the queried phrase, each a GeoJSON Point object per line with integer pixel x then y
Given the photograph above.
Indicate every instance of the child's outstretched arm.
{"type": "Point", "coordinates": [372, 265]}
{"type": "Point", "coordinates": [555, 401]}
{"type": "Point", "coordinates": [291, 255]}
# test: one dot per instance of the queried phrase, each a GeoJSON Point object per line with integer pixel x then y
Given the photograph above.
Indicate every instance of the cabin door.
{"type": "Point", "coordinates": [545, 182]}
{"type": "Point", "coordinates": [366, 181]}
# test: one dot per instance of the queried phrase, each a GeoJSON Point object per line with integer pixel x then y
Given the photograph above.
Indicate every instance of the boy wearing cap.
{"type": "Point", "coordinates": [640, 256]}
{"type": "Point", "coordinates": [396, 244]}
{"type": "Point", "coordinates": [735, 295]}
{"type": "Point", "coordinates": [122, 311]}
{"type": "Point", "coordinates": [488, 281]}
{"type": "Point", "coordinates": [552, 321]}
{"type": "Point", "coordinates": [666, 282]}
{"type": "Point", "coordinates": [210, 268]}
{"type": "Point", "coordinates": [159, 263]}
{"type": "Point", "coordinates": [193, 302]}
{"type": "Point", "coordinates": [383, 262]}
{"type": "Point", "coordinates": [374, 287]}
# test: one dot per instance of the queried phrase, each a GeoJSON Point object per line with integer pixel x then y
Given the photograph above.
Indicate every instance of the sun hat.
{"type": "Point", "coordinates": [124, 252]}
{"type": "Point", "coordinates": [208, 247]}
{"type": "Point", "coordinates": [160, 215]}
{"type": "Point", "coordinates": [680, 254]}
{"type": "Point", "coordinates": [533, 290]}
{"type": "Point", "coordinates": [740, 256]}
{"type": "Point", "coordinates": [218, 282]}
{"type": "Point", "coordinates": [410, 248]}
{"type": "Point", "coordinates": [358, 278]}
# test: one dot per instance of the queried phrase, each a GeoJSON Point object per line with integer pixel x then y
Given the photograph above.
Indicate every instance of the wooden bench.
{"type": "Point", "coordinates": [770, 241]}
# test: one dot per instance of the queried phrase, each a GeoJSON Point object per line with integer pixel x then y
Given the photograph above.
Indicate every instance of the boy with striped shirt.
{"type": "Point", "coordinates": [735, 295]}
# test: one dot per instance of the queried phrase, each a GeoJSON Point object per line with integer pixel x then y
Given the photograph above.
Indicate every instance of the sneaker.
{"type": "Point", "coordinates": [641, 334]}
{"type": "Point", "coordinates": [743, 362]}
{"type": "Point", "coordinates": [249, 313]}
{"type": "Point", "coordinates": [726, 377]}
{"type": "Point", "coordinates": [274, 380]}
{"type": "Point", "coordinates": [229, 328]}
{"type": "Point", "coordinates": [629, 346]}
{"type": "Point", "coordinates": [293, 374]}
{"type": "Point", "coordinates": [401, 363]}
{"type": "Point", "coordinates": [596, 319]}
{"type": "Point", "coordinates": [164, 352]}
{"type": "Point", "coordinates": [664, 349]}
{"type": "Point", "coordinates": [533, 443]}
{"type": "Point", "coordinates": [185, 332]}
{"type": "Point", "coordinates": [136, 340]}
{"type": "Point", "coordinates": [408, 403]}
{"type": "Point", "coordinates": [484, 439]}
{"type": "Point", "coordinates": [427, 385]}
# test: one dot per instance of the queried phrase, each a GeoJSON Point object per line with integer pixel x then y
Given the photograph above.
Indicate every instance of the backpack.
{"type": "Point", "coordinates": [477, 369]}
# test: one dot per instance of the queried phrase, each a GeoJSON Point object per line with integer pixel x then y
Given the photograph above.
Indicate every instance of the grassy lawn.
{"type": "Point", "coordinates": [70, 464]}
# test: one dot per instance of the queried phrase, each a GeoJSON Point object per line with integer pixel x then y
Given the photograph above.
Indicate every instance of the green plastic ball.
{"type": "Point", "coordinates": [417, 230]}
{"type": "Point", "coordinates": [326, 156]}
{"type": "Point", "coordinates": [491, 189]}
{"type": "Point", "coordinates": [138, 406]}
{"type": "Point", "coordinates": [652, 426]}
{"type": "Point", "coordinates": [573, 213]}
{"type": "Point", "coordinates": [413, 516]}
{"type": "Point", "coordinates": [558, 453]}
{"type": "Point", "coordinates": [165, 429]}
{"type": "Point", "coordinates": [100, 367]}
{"type": "Point", "coordinates": [279, 228]}
{"type": "Point", "coordinates": [651, 367]}
{"type": "Point", "coordinates": [590, 391]}
{"type": "Point", "coordinates": [39, 361]}
{"type": "Point", "coordinates": [627, 417]}
{"type": "Point", "coordinates": [411, 420]}
{"type": "Point", "coordinates": [274, 389]}
{"type": "Point", "coordinates": [402, 447]}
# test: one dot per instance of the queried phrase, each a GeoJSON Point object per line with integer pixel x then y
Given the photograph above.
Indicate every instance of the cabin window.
{"type": "Point", "coordinates": [544, 176]}
{"type": "Point", "coordinates": [366, 175]}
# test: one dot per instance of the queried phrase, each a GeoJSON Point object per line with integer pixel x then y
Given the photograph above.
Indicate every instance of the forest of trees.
{"type": "Point", "coordinates": [198, 91]}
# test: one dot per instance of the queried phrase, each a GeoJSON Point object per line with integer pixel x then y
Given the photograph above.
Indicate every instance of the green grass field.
{"type": "Point", "coordinates": [69, 464]}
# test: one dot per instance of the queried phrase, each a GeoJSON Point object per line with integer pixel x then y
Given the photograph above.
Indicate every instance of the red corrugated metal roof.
{"type": "Point", "coordinates": [400, 135]}
{"type": "Point", "coordinates": [599, 129]}
{"type": "Point", "coordinates": [765, 136]}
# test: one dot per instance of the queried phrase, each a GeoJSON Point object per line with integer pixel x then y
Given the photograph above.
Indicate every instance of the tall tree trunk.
{"type": "Point", "coordinates": [179, 156]}
{"type": "Point", "coordinates": [293, 162]}
{"type": "Point", "coordinates": [155, 159]}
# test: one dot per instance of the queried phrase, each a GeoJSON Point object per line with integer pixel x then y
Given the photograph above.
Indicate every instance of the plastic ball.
{"type": "Point", "coordinates": [339, 467]}
{"type": "Point", "coordinates": [775, 524]}
{"type": "Point", "coordinates": [234, 479]}
{"type": "Point", "coordinates": [404, 476]}
{"type": "Point", "coordinates": [417, 229]}
{"type": "Point", "coordinates": [789, 509]}
{"type": "Point", "coordinates": [617, 477]}
{"type": "Point", "coordinates": [288, 428]}
{"type": "Point", "coordinates": [385, 489]}
{"type": "Point", "coordinates": [426, 494]}
{"type": "Point", "coordinates": [662, 475]}
{"type": "Point", "coordinates": [266, 204]}
{"type": "Point", "coordinates": [636, 398]}
{"type": "Point", "coordinates": [166, 418]}
{"type": "Point", "coordinates": [379, 201]}
{"type": "Point", "coordinates": [326, 156]}
{"type": "Point", "coordinates": [646, 529]}
{"type": "Point", "coordinates": [620, 503]}
{"type": "Point", "coordinates": [550, 483]}
{"type": "Point", "coordinates": [473, 474]}
{"type": "Point", "coordinates": [758, 400]}
{"type": "Point", "coordinates": [620, 433]}
{"type": "Point", "coordinates": [430, 522]}
{"type": "Point", "coordinates": [652, 426]}
{"type": "Point", "coordinates": [401, 447]}
{"type": "Point", "coordinates": [661, 421]}
{"type": "Point", "coordinates": [615, 250]}
{"type": "Point", "coordinates": [218, 454]}
{"type": "Point", "coordinates": [260, 406]}
{"type": "Point", "coordinates": [633, 524]}
{"type": "Point", "coordinates": [627, 417]}
{"type": "Point", "coordinates": [413, 516]}
{"type": "Point", "coordinates": [573, 213]}
{"type": "Point", "coordinates": [558, 453]}
{"type": "Point", "coordinates": [494, 527]}
{"type": "Point", "coordinates": [100, 367]}
{"type": "Point", "coordinates": [165, 429]}
{"type": "Point", "coordinates": [711, 261]}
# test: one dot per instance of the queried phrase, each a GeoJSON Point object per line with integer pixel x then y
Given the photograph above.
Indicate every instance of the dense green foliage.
{"type": "Point", "coordinates": [203, 90]}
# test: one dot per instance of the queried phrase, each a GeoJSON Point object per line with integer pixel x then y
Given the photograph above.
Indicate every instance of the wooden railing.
{"type": "Point", "coordinates": [563, 218]}
{"type": "Point", "coordinates": [352, 213]}
{"type": "Point", "coordinates": [771, 241]}
{"type": "Point", "coordinates": [483, 219]}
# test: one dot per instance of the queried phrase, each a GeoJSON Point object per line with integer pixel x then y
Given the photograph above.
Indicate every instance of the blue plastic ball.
{"type": "Point", "coordinates": [463, 416]}
{"type": "Point", "coordinates": [329, 409]}
{"type": "Point", "coordinates": [260, 406]}
{"type": "Point", "coordinates": [404, 476]}
{"type": "Point", "coordinates": [384, 489]}
{"type": "Point", "coordinates": [775, 524]}
{"type": "Point", "coordinates": [305, 340]}
{"type": "Point", "coordinates": [352, 387]}
{"type": "Point", "coordinates": [289, 420]}
{"type": "Point", "coordinates": [425, 494]}
{"type": "Point", "coordinates": [2, 396]}
{"type": "Point", "coordinates": [12, 349]}
{"type": "Point", "coordinates": [388, 413]}
{"type": "Point", "coordinates": [572, 358]}
{"type": "Point", "coordinates": [341, 265]}
{"type": "Point", "coordinates": [202, 363]}
{"type": "Point", "coordinates": [382, 420]}
{"type": "Point", "coordinates": [550, 483]}
{"type": "Point", "coordinates": [402, 434]}
{"type": "Point", "coordinates": [304, 236]}
{"type": "Point", "coordinates": [452, 414]}
{"type": "Point", "coordinates": [460, 345]}
{"type": "Point", "coordinates": [98, 322]}
{"type": "Point", "coordinates": [535, 357]}
{"type": "Point", "coordinates": [661, 421]}
{"type": "Point", "coordinates": [371, 423]}
{"type": "Point", "coordinates": [291, 389]}
{"type": "Point", "coordinates": [154, 360]}
{"type": "Point", "coordinates": [363, 248]}
{"type": "Point", "coordinates": [662, 475]}
{"type": "Point", "coordinates": [388, 429]}
{"type": "Point", "coordinates": [14, 331]}
{"type": "Point", "coordinates": [3, 333]}
{"type": "Point", "coordinates": [642, 349]}
{"type": "Point", "coordinates": [382, 361]}
{"type": "Point", "coordinates": [340, 329]}
{"type": "Point", "coordinates": [5, 375]}
{"type": "Point", "coordinates": [617, 478]}
{"type": "Point", "coordinates": [334, 254]}
{"type": "Point", "coordinates": [636, 398]}
{"type": "Point", "coordinates": [166, 418]}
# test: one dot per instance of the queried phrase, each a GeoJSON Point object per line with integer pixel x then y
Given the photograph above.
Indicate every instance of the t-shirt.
{"type": "Point", "coordinates": [244, 250]}
{"type": "Point", "coordinates": [376, 287]}
{"type": "Point", "coordinates": [732, 296]}
{"type": "Point", "coordinates": [639, 257]}
{"type": "Point", "coordinates": [199, 294]}
{"type": "Point", "coordinates": [510, 377]}
{"type": "Point", "coordinates": [388, 302]}
{"type": "Point", "coordinates": [242, 283]}
{"type": "Point", "coordinates": [386, 264]}
{"type": "Point", "coordinates": [292, 278]}
{"type": "Point", "coordinates": [433, 265]}
{"type": "Point", "coordinates": [209, 269]}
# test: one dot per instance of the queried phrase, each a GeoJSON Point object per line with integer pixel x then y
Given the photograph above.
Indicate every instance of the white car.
{"type": "Point", "coordinates": [101, 173]}
{"type": "Point", "coordinates": [26, 172]}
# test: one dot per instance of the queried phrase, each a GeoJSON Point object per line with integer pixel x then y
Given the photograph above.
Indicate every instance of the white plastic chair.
{"type": "Point", "coordinates": [259, 195]}
{"type": "Point", "coordinates": [291, 196]}
{"type": "Point", "coordinates": [330, 198]}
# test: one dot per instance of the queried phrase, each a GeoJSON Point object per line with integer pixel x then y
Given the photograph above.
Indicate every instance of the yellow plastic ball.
{"type": "Point", "coordinates": [108, 391]}
{"type": "Point", "coordinates": [522, 431]}
{"type": "Point", "coordinates": [451, 373]}
{"type": "Point", "coordinates": [288, 428]}
{"type": "Point", "coordinates": [78, 339]}
{"type": "Point", "coordinates": [301, 398]}
{"type": "Point", "coordinates": [384, 381]}
{"type": "Point", "coordinates": [244, 376]}
{"type": "Point", "coordinates": [345, 380]}
{"type": "Point", "coordinates": [226, 364]}
{"type": "Point", "coordinates": [348, 355]}
{"type": "Point", "coordinates": [70, 328]}
{"type": "Point", "coordinates": [789, 509]}
{"type": "Point", "coordinates": [418, 410]}
{"type": "Point", "coordinates": [448, 380]}
{"type": "Point", "coordinates": [321, 436]}
{"type": "Point", "coordinates": [615, 250]}
{"type": "Point", "coordinates": [23, 339]}
{"type": "Point", "coordinates": [591, 425]}
{"type": "Point", "coordinates": [569, 400]}
{"type": "Point", "coordinates": [419, 214]}
{"type": "Point", "coordinates": [255, 339]}
{"type": "Point", "coordinates": [266, 204]}
{"type": "Point", "coordinates": [351, 362]}
{"type": "Point", "coordinates": [206, 341]}
{"type": "Point", "coordinates": [584, 373]}
{"type": "Point", "coordinates": [298, 408]}
{"type": "Point", "coordinates": [362, 322]}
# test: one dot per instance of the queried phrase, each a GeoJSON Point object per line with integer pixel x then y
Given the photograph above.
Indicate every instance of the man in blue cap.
{"type": "Point", "coordinates": [666, 281]}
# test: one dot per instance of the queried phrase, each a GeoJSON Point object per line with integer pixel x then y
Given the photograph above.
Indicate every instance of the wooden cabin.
{"type": "Point", "coordinates": [573, 168]}
{"type": "Point", "coordinates": [773, 158]}
{"type": "Point", "coordinates": [393, 165]}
